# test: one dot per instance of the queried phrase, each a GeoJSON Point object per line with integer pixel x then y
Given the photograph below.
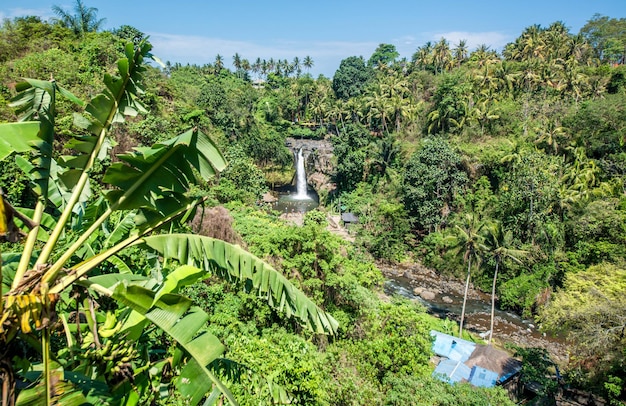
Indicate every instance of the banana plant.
{"type": "Point", "coordinates": [73, 234]}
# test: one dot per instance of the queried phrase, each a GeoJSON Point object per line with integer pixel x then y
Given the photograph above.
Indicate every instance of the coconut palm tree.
{"type": "Point", "coordinates": [460, 53]}
{"type": "Point", "coordinates": [468, 240]}
{"type": "Point", "coordinates": [297, 66]}
{"type": "Point", "coordinates": [442, 55]}
{"type": "Point", "coordinates": [423, 57]}
{"type": "Point", "coordinates": [237, 61]}
{"type": "Point", "coordinates": [219, 63]}
{"type": "Point", "coordinates": [85, 19]}
{"type": "Point", "coordinates": [498, 242]}
{"type": "Point", "coordinates": [308, 63]}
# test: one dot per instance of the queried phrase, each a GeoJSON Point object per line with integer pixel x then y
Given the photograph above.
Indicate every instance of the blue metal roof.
{"type": "Point", "coordinates": [452, 371]}
{"type": "Point", "coordinates": [455, 367]}
{"type": "Point", "coordinates": [451, 347]}
{"type": "Point", "coordinates": [483, 377]}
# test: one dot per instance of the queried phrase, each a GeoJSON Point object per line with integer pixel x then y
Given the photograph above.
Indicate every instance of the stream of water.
{"type": "Point", "coordinates": [446, 302]}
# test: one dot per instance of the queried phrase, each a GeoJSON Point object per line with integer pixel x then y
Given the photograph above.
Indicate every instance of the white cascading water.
{"type": "Point", "coordinates": [301, 186]}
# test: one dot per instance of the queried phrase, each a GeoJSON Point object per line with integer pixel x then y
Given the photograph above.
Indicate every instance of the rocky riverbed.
{"type": "Point", "coordinates": [444, 296]}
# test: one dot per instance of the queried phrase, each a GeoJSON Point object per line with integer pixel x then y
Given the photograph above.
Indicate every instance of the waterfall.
{"type": "Point", "coordinates": [301, 186]}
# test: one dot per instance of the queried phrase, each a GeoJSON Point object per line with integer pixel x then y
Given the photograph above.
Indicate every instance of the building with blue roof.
{"type": "Point", "coordinates": [465, 361]}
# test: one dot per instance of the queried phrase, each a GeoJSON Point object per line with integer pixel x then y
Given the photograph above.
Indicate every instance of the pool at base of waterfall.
{"type": "Point", "coordinates": [290, 202]}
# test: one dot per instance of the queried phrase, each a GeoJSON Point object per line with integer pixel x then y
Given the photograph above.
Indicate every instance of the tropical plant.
{"type": "Point", "coordinates": [78, 232]}
{"type": "Point", "coordinates": [85, 19]}
{"type": "Point", "coordinates": [498, 243]}
{"type": "Point", "coordinates": [468, 239]}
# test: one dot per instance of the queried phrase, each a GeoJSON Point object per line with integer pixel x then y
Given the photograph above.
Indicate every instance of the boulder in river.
{"type": "Point", "coordinates": [427, 295]}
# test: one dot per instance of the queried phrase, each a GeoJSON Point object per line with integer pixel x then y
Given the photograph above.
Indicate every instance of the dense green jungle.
{"type": "Point", "coordinates": [141, 265]}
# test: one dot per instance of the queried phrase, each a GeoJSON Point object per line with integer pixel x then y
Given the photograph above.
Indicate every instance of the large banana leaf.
{"type": "Point", "coordinates": [185, 323]}
{"type": "Point", "coordinates": [235, 264]}
{"type": "Point", "coordinates": [17, 137]}
{"type": "Point", "coordinates": [175, 318]}
{"type": "Point", "coordinates": [150, 177]}
{"type": "Point", "coordinates": [35, 100]}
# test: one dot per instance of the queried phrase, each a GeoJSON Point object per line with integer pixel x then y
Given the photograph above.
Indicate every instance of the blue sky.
{"type": "Point", "coordinates": [328, 31]}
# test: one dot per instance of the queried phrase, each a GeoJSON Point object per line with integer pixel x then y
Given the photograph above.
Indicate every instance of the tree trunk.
{"type": "Point", "coordinates": [7, 382]}
{"type": "Point", "coordinates": [467, 281]}
{"type": "Point", "coordinates": [493, 301]}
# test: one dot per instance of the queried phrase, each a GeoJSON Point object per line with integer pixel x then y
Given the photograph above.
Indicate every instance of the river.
{"type": "Point", "coordinates": [443, 297]}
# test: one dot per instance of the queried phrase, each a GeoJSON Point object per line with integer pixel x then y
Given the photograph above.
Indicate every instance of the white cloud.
{"type": "Point", "coordinates": [44, 13]}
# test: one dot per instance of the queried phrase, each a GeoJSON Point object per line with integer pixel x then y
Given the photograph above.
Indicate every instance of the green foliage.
{"type": "Point", "coordinates": [311, 255]}
{"type": "Point", "coordinates": [545, 91]}
{"type": "Point", "coordinates": [617, 83]}
{"type": "Point", "coordinates": [352, 77]}
{"type": "Point", "coordinates": [523, 291]}
{"type": "Point", "coordinates": [383, 226]}
{"type": "Point", "coordinates": [599, 125]}
{"type": "Point", "coordinates": [351, 149]}
{"type": "Point", "coordinates": [538, 370]}
{"type": "Point", "coordinates": [28, 34]}
{"type": "Point", "coordinates": [529, 198]}
{"type": "Point", "coordinates": [590, 308]}
{"type": "Point", "coordinates": [607, 36]}
{"type": "Point", "coordinates": [290, 361]}
{"type": "Point", "coordinates": [147, 189]}
{"type": "Point", "coordinates": [425, 390]}
{"type": "Point", "coordinates": [241, 180]}
{"type": "Point", "coordinates": [385, 54]}
{"type": "Point", "coordinates": [129, 33]}
{"type": "Point", "coordinates": [397, 340]}
{"type": "Point", "coordinates": [433, 176]}
{"type": "Point", "coordinates": [450, 105]}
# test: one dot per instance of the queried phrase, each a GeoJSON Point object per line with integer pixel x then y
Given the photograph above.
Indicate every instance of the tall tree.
{"type": "Point", "coordinates": [85, 19]}
{"type": "Point", "coordinates": [460, 52]}
{"type": "Point", "coordinates": [433, 177]}
{"type": "Point", "coordinates": [352, 77]}
{"type": "Point", "coordinates": [237, 61]}
{"type": "Point", "coordinates": [385, 54]}
{"type": "Point", "coordinates": [297, 66]}
{"type": "Point", "coordinates": [607, 36]}
{"type": "Point", "coordinates": [442, 56]}
{"type": "Point", "coordinates": [498, 243]}
{"type": "Point", "coordinates": [219, 63]}
{"type": "Point", "coordinates": [468, 240]}
{"type": "Point", "coordinates": [308, 63]}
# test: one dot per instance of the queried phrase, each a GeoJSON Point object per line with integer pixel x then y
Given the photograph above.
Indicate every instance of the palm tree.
{"type": "Point", "coordinates": [245, 66]}
{"type": "Point", "coordinates": [308, 63]}
{"type": "Point", "coordinates": [297, 66]}
{"type": "Point", "coordinates": [84, 19]}
{"type": "Point", "coordinates": [460, 52]}
{"type": "Point", "coordinates": [442, 55]}
{"type": "Point", "coordinates": [237, 61]}
{"type": "Point", "coordinates": [550, 133]}
{"type": "Point", "coordinates": [423, 57]}
{"type": "Point", "coordinates": [256, 67]}
{"type": "Point", "coordinates": [219, 63]}
{"type": "Point", "coordinates": [498, 240]}
{"type": "Point", "coordinates": [468, 239]}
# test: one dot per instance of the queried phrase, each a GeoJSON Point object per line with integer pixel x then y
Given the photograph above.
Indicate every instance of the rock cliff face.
{"type": "Point", "coordinates": [319, 164]}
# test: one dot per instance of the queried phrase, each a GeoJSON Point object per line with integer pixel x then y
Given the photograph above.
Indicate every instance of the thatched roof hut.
{"type": "Point", "coordinates": [493, 359]}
